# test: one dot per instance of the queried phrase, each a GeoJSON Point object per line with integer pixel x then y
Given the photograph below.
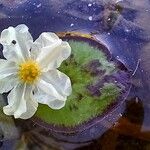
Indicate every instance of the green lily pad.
{"type": "Point", "coordinates": [94, 87]}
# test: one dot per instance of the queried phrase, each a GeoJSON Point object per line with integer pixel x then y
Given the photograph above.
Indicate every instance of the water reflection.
{"type": "Point", "coordinates": [126, 134]}
{"type": "Point", "coordinates": [121, 25]}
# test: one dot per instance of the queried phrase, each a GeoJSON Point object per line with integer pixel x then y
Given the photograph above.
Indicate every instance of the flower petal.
{"type": "Point", "coordinates": [44, 40]}
{"type": "Point", "coordinates": [31, 104]}
{"type": "Point", "coordinates": [7, 83]}
{"type": "Point", "coordinates": [53, 89]}
{"type": "Point", "coordinates": [20, 102]}
{"type": "Point", "coordinates": [16, 43]}
{"type": "Point", "coordinates": [59, 80]}
{"type": "Point", "coordinates": [57, 104]}
{"type": "Point", "coordinates": [8, 77]}
{"type": "Point", "coordinates": [7, 68]}
{"type": "Point", "coordinates": [16, 102]}
{"type": "Point", "coordinates": [50, 51]}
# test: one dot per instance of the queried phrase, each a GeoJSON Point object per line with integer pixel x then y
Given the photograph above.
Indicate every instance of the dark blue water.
{"type": "Point", "coordinates": [122, 25]}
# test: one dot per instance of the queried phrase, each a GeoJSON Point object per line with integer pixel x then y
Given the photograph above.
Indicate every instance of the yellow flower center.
{"type": "Point", "coordinates": [29, 71]}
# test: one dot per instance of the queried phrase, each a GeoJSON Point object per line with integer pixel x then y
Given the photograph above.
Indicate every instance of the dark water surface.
{"type": "Point", "coordinates": [124, 27]}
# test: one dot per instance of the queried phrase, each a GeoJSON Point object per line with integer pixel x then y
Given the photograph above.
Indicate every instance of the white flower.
{"type": "Point", "coordinates": [30, 71]}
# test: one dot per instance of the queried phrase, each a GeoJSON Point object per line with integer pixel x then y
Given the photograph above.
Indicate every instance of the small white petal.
{"type": "Point", "coordinates": [44, 40]}
{"type": "Point", "coordinates": [31, 104]}
{"type": "Point", "coordinates": [57, 104]}
{"type": "Point", "coordinates": [7, 72]}
{"type": "Point", "coordinates": [20, 102]}
{"type": "Point", "coordinates": [6, 63]}
{"type": "Point", "coordinates": [53, 89]}
{"type": "Point", "coordinates": [59, 80]}
{"type": "Point", "coordinates": [50, 51]}
{"type": "Point", "coordinates": [7, 68]}
{"type": "Point", "coordinates": [49, 89]}
{"type": "Point", "coordinates": [8, 77]}
{"type": "Point", "coordinates": [16, 43]}
{"type": "Point", "coordinates": [7, 83]}
{"type": "Point", "coordinates": [45, 98]}
{"type": "Point", "coordinates": [16, 102]}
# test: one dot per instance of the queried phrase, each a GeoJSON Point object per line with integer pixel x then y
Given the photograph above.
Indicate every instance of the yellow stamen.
{"type": "Point", "coordinates": [29, 71]}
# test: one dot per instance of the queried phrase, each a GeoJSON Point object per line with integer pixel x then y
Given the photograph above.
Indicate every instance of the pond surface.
{"type": "Point", "coordinates": [123, 26]}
